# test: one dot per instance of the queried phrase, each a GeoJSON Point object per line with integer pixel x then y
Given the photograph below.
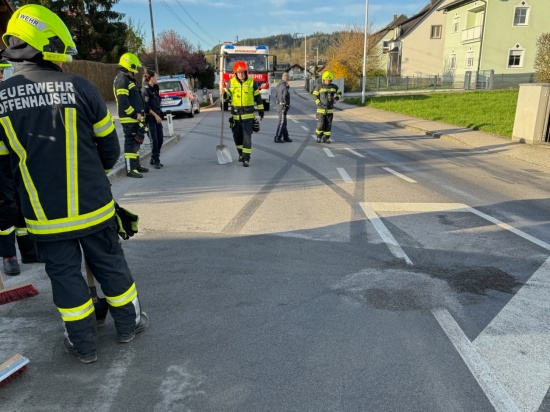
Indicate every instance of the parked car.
{"type": "Point", "coordinates": [177, 97]}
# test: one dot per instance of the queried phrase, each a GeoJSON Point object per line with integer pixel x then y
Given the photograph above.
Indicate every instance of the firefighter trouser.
{"type": "Point", "coordinates": [131, 146]}
{"type": "Point", "coordinates": [71, 295]}
{"type": "Point", "coordinates": [242, 135]}
{"type": "Point", "coordinates": [282, 131]}
{"type": "Point", "coordinates": [324, 124]}
{"type": "Point", "coordinates": [157, 137]}
{"type": "Point", "coordinates": [19, 232]}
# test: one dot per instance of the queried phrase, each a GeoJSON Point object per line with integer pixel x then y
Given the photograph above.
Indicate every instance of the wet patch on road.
{"type": "Point", "coordinates": [422, 288]}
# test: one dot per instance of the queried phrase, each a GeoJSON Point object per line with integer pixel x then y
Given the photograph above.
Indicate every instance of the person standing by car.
{"type": "Point", "coordinates": [243, 92]}
{"type": "Point", "coordinates": [282, 96]}
{"type": "Point", "coordinates": [153, 112]}
{"type": "Point", "coordinates": [130, 110]}
{"type": "Point", "coordinates": [56, 151]}
{"type": "Point", "coordinates": [326, 94]}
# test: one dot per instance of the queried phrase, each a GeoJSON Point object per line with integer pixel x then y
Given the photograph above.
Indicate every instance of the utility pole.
{"type": "Point", "coordinates": [365, 52]}
{"type": "Point", "coordinates": [153, 34]}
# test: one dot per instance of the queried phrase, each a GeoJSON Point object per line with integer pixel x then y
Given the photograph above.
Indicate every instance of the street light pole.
{"type": "Point", "coordinates": [317, 61]}
{"type": "Point", "coordinates": [365, 52]}
{"type": "Point", "coordinates": [153, 34]}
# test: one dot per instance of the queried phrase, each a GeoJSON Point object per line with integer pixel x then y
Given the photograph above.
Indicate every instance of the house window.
{"type": "Point", "coordinates": [436, 32]}
{"type": "Point", "coordinates": [521, 14]}
{"type": "Point", "coordinates": [515, 58]}
{"type": "Point", "coordinates": [456, 24]}
{"type": "Point", "coordinates": [469, 59]}
{"type": "Point", "coordinates": [452, 61]}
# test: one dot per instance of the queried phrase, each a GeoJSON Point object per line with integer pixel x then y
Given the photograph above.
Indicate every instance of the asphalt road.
{"type": "Point", "coordinates": [387, 271]}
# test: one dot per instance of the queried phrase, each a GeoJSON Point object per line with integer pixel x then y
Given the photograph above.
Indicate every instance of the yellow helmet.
{"type": "Point", "coordinates": [42, 29]}
{"type": "Point", "coordinates": [328, 76]}
{"type": "Point", "coordinates": [130, 62]}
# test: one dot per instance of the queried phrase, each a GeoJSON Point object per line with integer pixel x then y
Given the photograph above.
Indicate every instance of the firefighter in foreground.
{"type": "Point", "coordinates": [243, 92]}
{"type": "Point", "coordinates": [57, 139]}
{"type": "Point", "coordinates": [130, 109]}
{"type": "Point", "coordinates": [326, 95]}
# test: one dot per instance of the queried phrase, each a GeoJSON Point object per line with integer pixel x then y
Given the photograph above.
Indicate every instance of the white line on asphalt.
{"type": "Point", "coordinates": [495, 392]}
{"type": "Point", "coordinates": [510, 228]}
{"type": "Point", "coordinates": [295, 121]}
{"type": "Point", "coordinates": [344, 175]}
{"type": "Point", "coordinates": [408, 179]}
{"type": "Point", "coordinates": [354, 152]}
{"type": "Point", "coordinates": [305, 128]}
{"type": "Point", "coordinates": [314, 136]}
{"type": "Point", "coordinates": [384, 233]}
{"type": "Point", "coordinates": [328, 152]}
{"type": "Point", "coordinates": [515, 343]}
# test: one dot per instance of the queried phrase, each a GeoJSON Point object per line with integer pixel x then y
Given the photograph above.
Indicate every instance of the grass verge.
{"type": "Point", "coordinates": [487, 111]}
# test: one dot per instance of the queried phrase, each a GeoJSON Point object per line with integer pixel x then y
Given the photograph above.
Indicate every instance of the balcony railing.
{"type": "Point", "coordinates": [472, 34]}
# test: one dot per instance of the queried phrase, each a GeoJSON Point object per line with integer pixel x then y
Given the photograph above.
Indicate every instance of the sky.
{"type": "Point", "coordinates": [205, 23]}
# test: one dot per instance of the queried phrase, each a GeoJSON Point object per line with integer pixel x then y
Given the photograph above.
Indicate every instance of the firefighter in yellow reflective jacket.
{"type": "Point", "coordinates": [57, 139]}
{"type": "Point", "coordinates": [243, 93]}
{"type": "Point", "coordinates": [326, 95]}
{"type": "Point", "coordinates": [130, 112]}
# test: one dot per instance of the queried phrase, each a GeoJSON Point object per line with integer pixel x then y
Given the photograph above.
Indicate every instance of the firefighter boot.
{"type": "Point", "coordinates": [11, 266]}
{"type": "Point", "coordinates": [131, 168]}
{"type": "Point", "coordinates": [140, 168]}
{"type": "Point", "coordinates": [140, 327]}
{"type": "Point", "coordinates": [82, 357]}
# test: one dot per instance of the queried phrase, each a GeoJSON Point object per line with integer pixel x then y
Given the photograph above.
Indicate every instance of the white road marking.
{"type": "Point", "coordinates": [354, 152]}
{"type": "Point", "coordinates": [305, 128]}
{"type": "Point", "coordinates": [491, 386]}
{"type": "Point", "coordinates": [295, 121]}
{"type": "Point", "coordinates": [344, 175]}
{"type": "Point", "coordinates": [510, 357]}
{"type": "Point", "coordinates": [328, 152]}
{"type": "Point", "coordinates": [402, 176]}
{"type": "Point", "coordinates": [384, 233]}
{"type": "Point", "coordinates": [515, 344]}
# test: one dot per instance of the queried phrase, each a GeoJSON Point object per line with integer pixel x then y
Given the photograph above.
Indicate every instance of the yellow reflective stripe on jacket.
{"type": "Point", "coordinates": [124, 120]}
{"type": "Point", "coordinates": [243, 116]}
{"type": "Point", "coordinates": [129, 110]}
{"type": "Point", "coordinates": [131, 85]}
{"type": "Point", "coordinates": [48, 227]}
{"type": "Point", "coordinates": [104, 127]}
{"type": "Point", "coordinates": [123, 299]}
{"type": "Point", "coordinates": [25, 174]}
{"type": "Point", "coordinates": [7, 231]}
{"type": "Point", "coordinates": [122, 91]}
{"type": "Point", "coordinates": [71, 156]}
{"type": "Point", "coordinates": [21, 231]}
{"type": "Point", "coordinates": [78, 313]}
{"type": "Point", "coordinates": [3, 149]}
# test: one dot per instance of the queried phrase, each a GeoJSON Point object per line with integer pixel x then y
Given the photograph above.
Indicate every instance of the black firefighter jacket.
{"type": "Point", "coordinates": [59, 140]}
{"type": "Point", "coordinates": [128, 98]}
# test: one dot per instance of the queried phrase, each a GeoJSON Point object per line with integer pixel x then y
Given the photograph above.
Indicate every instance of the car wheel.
{"type": "Point", "coordinates": [191, 114]}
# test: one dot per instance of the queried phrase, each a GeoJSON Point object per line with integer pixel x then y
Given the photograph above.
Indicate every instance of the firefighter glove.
{"type": "Point", "coordinates": [141, 132]}
{"type": "Point", "coordinates": [127, 222]}
{"type": "Point", "coordinates": [231, 122]}
{"type": "Point", "coordinates": [256, 126]}
{"type": "Point", "coordinates": [261, 113]}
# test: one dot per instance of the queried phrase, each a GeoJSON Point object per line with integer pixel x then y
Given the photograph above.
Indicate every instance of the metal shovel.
{"type": "Point", "coordinates": [224, 155]}
{"type": "Point", "coordinates": [101, 306]}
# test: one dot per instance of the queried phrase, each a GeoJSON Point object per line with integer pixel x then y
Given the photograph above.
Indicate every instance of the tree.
{"type": "Point", "coordinates": [347, 62]}
{"type": "Point", "coordinates": [542, 59]}
{"type": "Point", "coordinates": [98, 31]}
{"type": "Point", "coordinates": [135, 37]}
{"type": "Point", "coordinates": [175, 55]}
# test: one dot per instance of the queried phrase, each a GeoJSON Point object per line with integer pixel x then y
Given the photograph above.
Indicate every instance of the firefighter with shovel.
{"type": "Point", "coordinates": [243, 92]}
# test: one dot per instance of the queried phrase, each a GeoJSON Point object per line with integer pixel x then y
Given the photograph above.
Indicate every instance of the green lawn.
{"type": "Point", "coordinates": [487, 111]}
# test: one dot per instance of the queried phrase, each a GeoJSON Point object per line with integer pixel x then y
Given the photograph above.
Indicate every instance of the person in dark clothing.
{"type": "Point", "coordinates": [153, 112]}
{"type": "Point", "coordinates": [18, 231]}
{"type": "Point", "coordinates": [282, 96]}
{"type": "Point", "coordinates": [326, 95]}
{"type": "Point", "coordinates": [130, 111]}
{"type": "Point", "coordinates": [57, 141]}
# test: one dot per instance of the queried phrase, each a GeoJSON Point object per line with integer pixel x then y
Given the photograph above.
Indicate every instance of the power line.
{"type": "Point", "coordinates": [182, 22]}
{"type": "Point", "coordinates": [194, 21]}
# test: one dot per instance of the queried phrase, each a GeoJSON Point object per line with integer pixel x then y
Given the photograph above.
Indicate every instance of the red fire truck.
{"type": "Point", "coordinates": [257, 58]}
